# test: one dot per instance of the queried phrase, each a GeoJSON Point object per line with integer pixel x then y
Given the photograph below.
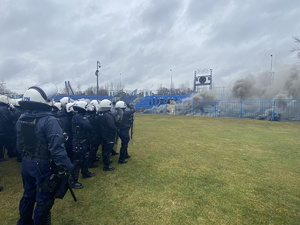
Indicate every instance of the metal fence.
{"type": "Point", "coordinates": [262, 109]}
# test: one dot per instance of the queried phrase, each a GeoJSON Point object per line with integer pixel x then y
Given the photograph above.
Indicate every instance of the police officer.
{"type": "Point", "coordinates": [65, 117]}
{"type": "Point", "coordinates": [108, 132]}
{"type": "Point", "coordinates": [81, 128]}
{"type": "Point", "coordinates": [6, 128]}
{"type": "Point", "coordinates": [94, 138]}
{"type": "Point", "coordinates": [124, 128]}
{"type": "Point", "coordinates": [17, 112]}
{"type": "Point", "coordinates": [40, 136]}
{"type": "Point", "coordinates": [56, 109]}
{"type": "Point", "coordinates": [117, 113]}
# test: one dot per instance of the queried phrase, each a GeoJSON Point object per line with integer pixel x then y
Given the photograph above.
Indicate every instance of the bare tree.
{"type": "Point", "coordinates": [296, 49]}
{"type": "Point", "coordinates": [63, 91]}
{"type": "Point", "coordinates": [103, 91]}
{"type": "Point", "coordinates": [90, 91]}
{"type": "Point", "coordinates": [3, 89]}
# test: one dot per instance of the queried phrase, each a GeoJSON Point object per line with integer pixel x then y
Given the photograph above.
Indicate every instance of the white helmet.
{"type": "Point", "coordinates": [91, 107]}
{"type": "Point", "coordinates": [16, 102]}
{"type": "Point", "coordinates": [4, 99]}
{"type": "Point", "coordinates": [105, 105]}
{"type": "Point", "coordinates": [80, 105]}
{"type": "Point", "coordinates": [121, 105]}
{"type": "Point", "coordinates": [69, 107]}
{"type": "Point", "coordinates": [57, 105]}
{"type": "Point", "coordinates": [84, 99]}
{"type": "Point", "coordinates": [39, 96]}
{"type": "Point", "coordinates": [96, 104]}
{"type": "Point", "coordinates": [64, 100]}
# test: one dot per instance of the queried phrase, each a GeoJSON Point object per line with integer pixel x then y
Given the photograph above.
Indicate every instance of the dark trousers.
{"type": "Point", "coordinates": [94, 146]}
{"type": "Point", "coordinates": [6, 143]}
{"type": "Point", "coordinates": [125, 138]}
{"type": "Point", "coordinates": [80, 157]}
{"type": "Point", "coordinates": [106, 150]}
{"type": "Point", "coordinates": [34, 172]}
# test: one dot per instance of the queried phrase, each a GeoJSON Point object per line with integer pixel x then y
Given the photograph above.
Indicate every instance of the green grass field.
{"type": "Point", "coordinates": [185, 170]}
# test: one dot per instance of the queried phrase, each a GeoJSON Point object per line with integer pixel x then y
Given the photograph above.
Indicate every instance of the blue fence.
{"type": "Point", "coordinates": [261, 109]}
{"type": "Point", "coordinates": [76, 97]}
{"type": "Point", "coordinates": [149, 101]}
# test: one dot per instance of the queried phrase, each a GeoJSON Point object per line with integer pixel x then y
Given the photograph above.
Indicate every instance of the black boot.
{"type": "Point", "coordinates": [108, 168]}
{"type": "Point", "coordinates": [123, 161]}
{"type": "Point", "coordinates": [88, 175]}
{"type": "Point", "coordinates": [76, 185]}
{"type": "Point", "coordinates": [122, 156]}
{"type": "Point", "coordinates": [113, 152]}
{"type": "Point", "coordinates": [126, 154]}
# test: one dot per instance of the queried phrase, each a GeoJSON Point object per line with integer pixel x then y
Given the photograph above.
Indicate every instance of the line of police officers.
{"type": "Point", "coordinates": [67, 134]}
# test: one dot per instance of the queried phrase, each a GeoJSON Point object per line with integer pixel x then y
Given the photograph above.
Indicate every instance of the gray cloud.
{"type": "Point", "coordinates": [55, 40]}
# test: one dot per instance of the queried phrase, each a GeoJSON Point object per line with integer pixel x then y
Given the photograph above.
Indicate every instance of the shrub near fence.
{"type": "Point", "coordinates": [262, 109]}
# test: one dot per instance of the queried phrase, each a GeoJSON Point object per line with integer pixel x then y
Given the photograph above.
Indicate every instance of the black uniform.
{"type": "Point", "coordinates": [118, 114]}
{"type": "Point", "coordinates": [81, 128]}
{"type": "Point", "coordinates": [6, 130]}
{"type": "Point", "coordinates": [17, 112]}
{"type": "Point", "coordinates": [108, 132]}
{"type": "Point", "coordinates": [95, 139]}
{"type": "Point", "coordinates": [65, 120]}
{"type": "Point", "coordinates": [40, 136]}
{"type": "Point", "coordinates": [124, 128]}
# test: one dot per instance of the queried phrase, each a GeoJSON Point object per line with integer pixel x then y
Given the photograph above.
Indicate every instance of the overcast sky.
{"type": "Point", "coordinates": [139, 41]}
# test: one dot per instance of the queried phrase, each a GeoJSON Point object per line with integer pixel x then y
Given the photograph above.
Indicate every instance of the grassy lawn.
{"type": "Point", "coordinates": [185, 170]}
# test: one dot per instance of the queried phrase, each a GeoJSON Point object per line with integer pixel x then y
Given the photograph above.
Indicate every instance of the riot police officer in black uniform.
{"type": "Point", "coordinates": [65, 117]}
{"type": "Point", "coordinates": [17, 112]}
{"type": "Point", "coordinates": [40, 136]}
{"type": "Point", "coordinates": [6, 128]}
{"type": "Point", "coordinates": [117, 113]}
{"type": "Point", "coordinates": [81, 128]}
{"type": "Point", "coordinates": [95, 138]}
{"type": "Point", "coordinates": [124, 128]}
{"type": "Point", "coordinates": [108, 132]}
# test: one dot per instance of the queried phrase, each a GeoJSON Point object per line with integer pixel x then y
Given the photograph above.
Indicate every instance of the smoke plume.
{"type": "Point", "coordinates": [285, 84]}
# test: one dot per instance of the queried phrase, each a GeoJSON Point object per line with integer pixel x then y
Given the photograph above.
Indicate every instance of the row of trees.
{"type": "Point", "coordinates": [3, 89]}
{"type": "Point", "coordinates": [119, 90]}
{"type": "Point", "coordinates": [183, 89]}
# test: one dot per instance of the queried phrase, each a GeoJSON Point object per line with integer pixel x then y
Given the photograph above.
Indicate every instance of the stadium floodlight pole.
{"type": "Point", "coordinates": [171, 81]}
{"type": "Point", "coordinates": [121, 82]}
{"type": "Point", "coordinates": [97, 75]}
{"type": "Point", "coordinates": [272, 74]}
{"type": "Point", "coordinates": [271, 62]}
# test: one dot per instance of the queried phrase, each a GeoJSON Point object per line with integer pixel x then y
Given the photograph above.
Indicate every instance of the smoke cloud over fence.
{"type": "Point", "coordinates": [259, 96]}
